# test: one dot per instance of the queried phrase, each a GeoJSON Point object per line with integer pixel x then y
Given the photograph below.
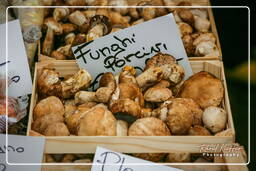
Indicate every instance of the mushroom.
{"type": "Point", "coordinates": [50, 22]}
{"type": "Point", "coordinates": [160, 59]}
{"type": "Point", "coordinates": [149, 77]}
{"type": "Point", "coordinates": [89, 13]}
{"type": "Point", "coordinates": [48, 42]}
{"type": "Point", "coordinates": [78, 18]}
{"type": "Point", "coordinates": [186, 15]}
{"type": "Point", "coordinates": [99, 26]}
{"type": "Point", "coordinates": [80, 80]}
{"type": "Point", "coordinates": [149, 126]}
{"type": "Point", "coordinates": [147, 13]}
{"type": "Point", "coordinates": [103, 120]}
{"type": "Point", "coordinates": [157, 94]}
{"type": "Point", "coordinates": [68, 28]}
{"type": "Point", "coordinates": [56, 129]}
{"type": "Point", "coordinates": [178, 157]}
{"type": "Point", "coordinates": [58, 55]}
{"type": "Point", "coordinates": [202, 13]}
{"type": "Point", "coordinates": [206, 49]}
{"type": "Point", "coordinates": [121, 128]}
{"type": "Point", "coordinates": [47, 106]}
{"type": "Point", "coordinates": [69, 38]}
{"type": "Point", "coordinates": [185, 28]}
{"type": "Point", "coordinates": [139, 21]}
{"type": "Point", "coordinates": [40, 124]}
{"type": "Point", "coordinates": [80, 38]}
{"type": "Point", "coordinates": [65, 50]}
{"type": "Point", "coordinates": [96, 2]}
{"type": "Point", "coordinates": [122, 10]}
{"type": "Point", "coordinates": [127, 75]}
{"type": "Point", "coordinates": [214, 118]}
{"type": "Point", "coordinates": [68, 158]}
{"type": "Point", "coordinates": [202, 24]}
{"type": "Point", "coordinates": [60, 14]}
{"type": "Point", "coordinates": [107, 85]}
{"type": "Point", "coordinates": [171, 71]}
{"type": "Point", "coordinates": [117, 19]}
{"type": "Point", "coordinates": [48, 82]}
{"type": "Point", "coordinates": [188, 44]}
{"type": "Point", "coordinates": [204, 88]}
{"type": "Point", "coordinates": [198, 130]}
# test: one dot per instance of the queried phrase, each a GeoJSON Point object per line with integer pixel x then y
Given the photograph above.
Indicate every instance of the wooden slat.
{"type": "Point", "coordinates": [129, 144]}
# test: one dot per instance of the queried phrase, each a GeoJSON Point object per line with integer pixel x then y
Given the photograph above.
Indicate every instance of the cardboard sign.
{"type": "Point", "coordinates": [107, 160]}
{"type": "Point", "coordinates": [132, 46]}
{"type": "Point", "coordinates": [21, 150]}
{"type": "Point", "coordinates": [18, 69]}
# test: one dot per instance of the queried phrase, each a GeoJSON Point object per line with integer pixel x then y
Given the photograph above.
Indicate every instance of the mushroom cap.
{"type": "Point", "coordinates": [56, 129]}
{"type": "Point", "coordinates": [198, 130]}
{"type": "Point", "coordinates": [126, 106]}
{"type": "Point", "coordinates": [108, 80]}
{"type": "Point", "coordinates": [127, 75]}
{"type": "Point", "coordinates": [49, 105]}
{"type": "Point", "coordinates": [160, 59]}
{"type": "Point", "coordinates": [185, 28]}
{"type": "Point", "coordinates": [157, 94]}
{"type": "Point", "coordinates": [103, 20]}
{"type": "Point", "coordinates": [205, 89]}
{"type": "Point", "coordinates": [186, 15]}
{"type": "Point", "coordinates": [188, 44]}
{"type": "Point", "coordinates": [180, 116]}
{"type": "Point", "coordinates": [215, 118]}
{"type": "Point", "coordinates": [97, 121]}
{"type": "Point", "coordinates": [178, 157]}
{"type": "Point", "coordinates": [48, 82]}
{"type": "Point", "coordinates": [40, 124]}
{"type": "Point", "coordinates": [149, 126]}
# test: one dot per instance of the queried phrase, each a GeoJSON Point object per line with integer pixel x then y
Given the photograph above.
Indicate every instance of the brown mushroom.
{"type": "Point", "coordinates": [56, 129]}
{"type": "Point", "coordinates": [48, 42]}
{"type": "Point", "coordinates": [48, 82]}
{"type": "Point", "coordinates": [47, 106]}
{"type": "Point", "coordinates": [40, 124]}
{"type": "Point", "coordinates": [58, 55]}
{"type": "Point", "coordinates": [160, 59]}
{"type": "Point", "coordinates": [99, 26]}
{"type": "Point", "coordinates": [204, 88]}
{"type": "Point", "coordinates": [178, 157]}
{"type": "Point", "coordinates": [50, 22]}
{"type": "Point", "coordinates": [68, 28]}
{"type": "Point", "coordinates": [60, 13]}
{"type": "Point", "coordinates": [121, 128]}
{"type": "Point", "coordinates": [185, 28]}
{"type": "Point", "coordinates": [103, 120]}
{"type": "Point", "coordinates": [149, 127]}
{"type": "Point", "coordinates": [198, 130]}
{"type": "Point", "coordinates": [157, 94]}
{"type": "Point", "coordinates": [123, 10]}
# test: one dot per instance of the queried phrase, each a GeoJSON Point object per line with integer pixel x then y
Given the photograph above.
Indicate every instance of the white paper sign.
{"type": "Point", "coordinates": [21, 149]}
{"type": "Point", "coordinates": [132, 46]}
{"type": "Point", "coordinates": [18, 68]}
{"type": "Point", "coordinates": [107, 160]}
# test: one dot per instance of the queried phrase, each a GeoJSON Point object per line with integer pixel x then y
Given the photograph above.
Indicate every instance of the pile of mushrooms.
{"type": "Point", "coordinates": [67, 27]}
{"type": "Point", "coordinates": [156, 102]}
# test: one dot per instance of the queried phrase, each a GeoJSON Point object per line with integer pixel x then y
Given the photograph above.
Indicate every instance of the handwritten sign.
{"type": "Point", "coordinates": [21, 150]}
{"type": "Point", "coordinates": [107, 160]}
{"type": "Point", "coordinates": [132, 46]}
{"type": "Point", "coordinates": [18, 68]}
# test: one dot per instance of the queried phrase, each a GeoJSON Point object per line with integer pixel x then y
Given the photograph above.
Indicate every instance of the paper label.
{"type": "Point", "coordinates": [107, 160]}
{"type": "Point", "coordinates": [21, 150]}
{"type": "Point", "coordinates": [18, 68]}
{"type": "Point", "coordinates": [132, 46]}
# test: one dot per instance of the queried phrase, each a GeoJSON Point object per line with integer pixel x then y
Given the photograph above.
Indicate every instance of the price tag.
{"type": "Point", "coordinates": [132, 46]}
{"type": "Point", "coordinates": [107, 160]}
{"type": "Point", "coordinates": [18, 68]}
{"type": "Point", "coordinates": [21, 150]}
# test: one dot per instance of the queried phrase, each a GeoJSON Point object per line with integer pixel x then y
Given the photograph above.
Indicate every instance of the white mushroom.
{"type": "Point", "coordinates": [214, 118]}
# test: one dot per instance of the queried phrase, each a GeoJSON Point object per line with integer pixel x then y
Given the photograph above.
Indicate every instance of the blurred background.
{"type": "Point", "coordinates": [232, 26]}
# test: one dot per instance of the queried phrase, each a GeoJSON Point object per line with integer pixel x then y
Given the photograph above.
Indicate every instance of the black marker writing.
{"type": "Point", "coordinates": [2, 64]}
{"type": "Point", "coordinates": [114, 158]}
{"type": "Point", "coordinates": [10, 148]}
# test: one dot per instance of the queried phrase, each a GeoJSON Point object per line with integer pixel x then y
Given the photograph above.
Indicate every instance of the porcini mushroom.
{"type": "Point", "coordinates": [204, 88]}
{"type": "Point", "coordinates": [214, 118]}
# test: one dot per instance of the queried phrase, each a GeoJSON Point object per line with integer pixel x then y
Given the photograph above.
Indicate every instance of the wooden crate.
{"type": "Point", "coordinates": [194, 2]}
{"type": "Point", "coordinates": [226, 164]}
{"type": "Point", "coordinates": [131, 144]}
